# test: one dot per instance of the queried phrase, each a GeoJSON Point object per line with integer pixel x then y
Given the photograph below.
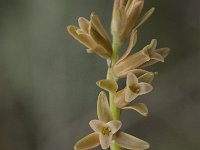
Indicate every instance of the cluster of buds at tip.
{"type": "Point", "coordinates": [93, 35]}
{"type": "Point", "coordinates": [107, 130]}
{"type": "Point", "coordinates": [126, 17]}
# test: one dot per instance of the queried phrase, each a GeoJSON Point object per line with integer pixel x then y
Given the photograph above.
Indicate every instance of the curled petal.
{"type": "Point", "coordinates": [131, 79]}
{"type": "Point", "coordinates": [147, 77]}
{"type": "Point", "coordinates": [88, 142]}
{"type": "Point", "coordinates": [108, 85]}
{"type": "Point", "coordinates": [156, 56]}
{"type": "Point", "coordinates": [119, 99]}
{"type": "Point", "coordinates": [145, 88]}
{"type": "Point", "coordinates": [130, 142]}
{"type": "Point", "coordinates": [103, 111]}
{"type": "Point", "coordinates": [114, 125]}
{"type": "Point", "coordinates": [152, 53]}
{"type": "Point", "coordinates": [83, 23]}
{"type": "Point", "coordinates": [131, 91]}
{"type": "Point", "coordinates": [139, 107]}
{"type": "Point", "coordinates": [162, 51]}
{"type": "Point", "coordinates": [105, 141]}
{"type": "Point", "coordinates": [130, 95]}
{"type": "Point", "coordinates": [145, 17]}
{"type": "Point", "coordinates": [87, 40]}
{"type": "Point", "coordinates": [152, 46]}
{"type": "Point", "coordinates": [96, 125]}
{"type": "Point", "coordinates": [82, 37]}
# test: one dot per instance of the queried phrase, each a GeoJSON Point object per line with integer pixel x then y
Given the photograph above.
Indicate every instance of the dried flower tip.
{"type": "Point", "coordinates": [92, 35]}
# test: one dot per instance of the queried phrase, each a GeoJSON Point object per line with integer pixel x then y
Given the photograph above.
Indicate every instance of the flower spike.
{"type": "Point", "coordinates": [126, 20]}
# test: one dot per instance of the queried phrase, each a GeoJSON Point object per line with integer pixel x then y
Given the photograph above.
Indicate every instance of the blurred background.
{"type": "Point", "coordinates": [47, 80]}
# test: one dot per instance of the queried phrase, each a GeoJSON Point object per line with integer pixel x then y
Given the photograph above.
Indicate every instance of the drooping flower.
{"type": "Point", "coordinates": [93, 35]}
{"type": "Point", "coordinates": [126, 16]}
{"type": "Point", "coordinates": [106, 130]}
{"type": "Point", "coordinates": [135, 87]}
{"type": "Point", "coordinates": [137, 61]}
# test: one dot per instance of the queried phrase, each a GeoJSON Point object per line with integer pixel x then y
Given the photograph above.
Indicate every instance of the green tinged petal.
{"type": "Point", "coordinates": [103, 110]}
{"type": "Point", "coordinates": [96, 125]}
{"type": "Point", "coordinates": [108, 85]}
{"type": "Point", "coordinates": [105, 141]}
{"type": "Point", "coordinates": [147, 77]}
{"type": "Point", "coordinates": [130, 142]}
{"type": "Point", "coordinates": [140, 108]}
{"type": "Point", "coordinates": [114, 125]}
{"type": "Point", "coordinates": [88, 142]}
{"type": "Point", "coordinates": [130, 95]}
{"type": "Point", "coordinates": [145, 88]}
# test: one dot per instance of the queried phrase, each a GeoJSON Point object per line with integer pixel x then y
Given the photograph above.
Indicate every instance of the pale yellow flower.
{"type": "Point", "coordinates": [135, 87]}
{"type": "Point", "coordinates": [126, 16]}
{"type": "Point", "coordinates": [106, 131]}
{"type": "Point", "coordinates": [137, 61]}
{"type": "Point", "coordinates": [93, 35]}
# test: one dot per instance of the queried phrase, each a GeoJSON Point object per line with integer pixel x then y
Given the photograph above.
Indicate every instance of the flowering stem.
{"type": "Point", "coordinates": [114, 109]}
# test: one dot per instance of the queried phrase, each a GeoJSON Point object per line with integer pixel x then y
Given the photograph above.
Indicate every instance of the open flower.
{"type": "Point", "coordinates": [137, 61]}
{"type": "Point", "coordinates": [126, 16]}
{"type": "Point", "coordinates": [93, 35]}
{"type": "Point", "coordinates": [106, 131]}
{"type": "Point", "coordinates": [134, 88]}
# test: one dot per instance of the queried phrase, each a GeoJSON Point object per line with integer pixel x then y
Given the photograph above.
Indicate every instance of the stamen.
{"type": "Point", "coordinates": [106, 131]}
{"type": "Point", "coordinates": [135, 89]}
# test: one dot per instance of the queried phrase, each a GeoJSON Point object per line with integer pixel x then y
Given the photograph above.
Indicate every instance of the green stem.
{"type": "Point", "coordinates": [114, 109]}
